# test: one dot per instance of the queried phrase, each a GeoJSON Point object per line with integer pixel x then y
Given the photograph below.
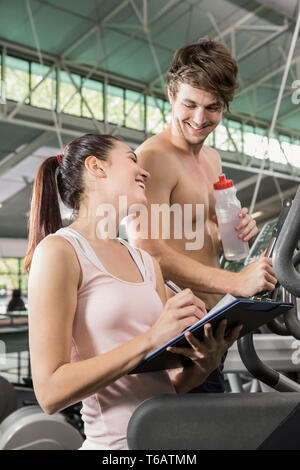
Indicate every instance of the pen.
{"type": "Point", "coordinates": [173, 287]}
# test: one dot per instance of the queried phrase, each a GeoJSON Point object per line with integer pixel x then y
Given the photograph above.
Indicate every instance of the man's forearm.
{"type": "Point", "coordinates": [186, 271]}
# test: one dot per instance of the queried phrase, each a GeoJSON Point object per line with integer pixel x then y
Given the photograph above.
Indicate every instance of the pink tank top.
{"type": "Point", "coordinates": [110, 312]}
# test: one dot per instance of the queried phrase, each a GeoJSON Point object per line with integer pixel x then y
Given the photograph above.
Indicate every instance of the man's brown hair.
{"type": "Point", "coordinates": [208, 65]}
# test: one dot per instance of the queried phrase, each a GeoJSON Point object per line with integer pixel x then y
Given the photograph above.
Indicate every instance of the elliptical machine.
{"type": "Point", "coordinates": [240, 420]}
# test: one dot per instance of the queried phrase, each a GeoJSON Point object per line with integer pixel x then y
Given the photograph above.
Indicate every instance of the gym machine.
{"type": "Point", "coordinates": [234, 421]}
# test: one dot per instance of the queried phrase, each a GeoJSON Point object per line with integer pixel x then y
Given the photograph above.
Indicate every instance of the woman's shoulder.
{"type": "Point", "coordinates": [56, 250]}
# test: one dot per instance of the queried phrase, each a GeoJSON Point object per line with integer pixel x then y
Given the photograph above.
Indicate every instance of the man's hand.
{"type": "Point", "coordinates": [258, 276]}
{"type": "Point", "coordinates": [247, 226]}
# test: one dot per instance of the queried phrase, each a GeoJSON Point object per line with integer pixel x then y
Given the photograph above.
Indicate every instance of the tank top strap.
{"type": "Point", "coordinates": [83, 243]}
{"type": "Point", "coordinates": [89, 270]}
{"type": "Point", "coordinates": [88, 250]}
{"type": "Point", "coordinates": [149, 267]}
{"type": "Point", "coordinates": [135, 257]}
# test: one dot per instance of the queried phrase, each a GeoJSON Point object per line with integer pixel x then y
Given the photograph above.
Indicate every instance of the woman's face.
{"type": "Point", "coordinates": [125, 177]}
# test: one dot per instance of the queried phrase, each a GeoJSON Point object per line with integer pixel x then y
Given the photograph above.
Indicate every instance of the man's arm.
{"type": "Point", "coordinates": [178, 267]}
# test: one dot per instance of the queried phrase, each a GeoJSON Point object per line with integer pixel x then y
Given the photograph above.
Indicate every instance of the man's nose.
{"type": "Point", "coordinates": [199, 116]}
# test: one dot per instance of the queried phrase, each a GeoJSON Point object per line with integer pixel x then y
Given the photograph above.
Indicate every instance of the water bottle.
{"type": "Point", "coordinates": [227, 209]}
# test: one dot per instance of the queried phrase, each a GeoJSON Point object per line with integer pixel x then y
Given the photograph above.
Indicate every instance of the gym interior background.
{"type": "Point", "coordinates": [70, 67]}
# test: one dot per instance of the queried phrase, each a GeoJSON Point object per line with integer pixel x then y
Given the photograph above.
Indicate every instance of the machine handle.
{"type": "Point", "coordinates": [260, 370]}
{"type": "Point", "coordinates": [286, 244]}
{"type": "Point", "coordinates": [286, 205]}
{"type": "Point", "coordinates": [291, 317]}
{"type": "Point", "coordinates": [252, 362]}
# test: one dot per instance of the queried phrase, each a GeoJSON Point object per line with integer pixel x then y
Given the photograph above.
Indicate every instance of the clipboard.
{"type": "Point", "coordinates": [250, 313]}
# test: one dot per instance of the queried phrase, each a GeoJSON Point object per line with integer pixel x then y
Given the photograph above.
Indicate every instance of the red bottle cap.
{"type": "Point", "coordinates": [223, 183]}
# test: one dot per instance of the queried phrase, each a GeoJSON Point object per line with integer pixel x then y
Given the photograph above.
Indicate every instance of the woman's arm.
{"type": "Point", "coordinates": [183, 379]}
{"type": "Point", "coordinates": [53, 284]}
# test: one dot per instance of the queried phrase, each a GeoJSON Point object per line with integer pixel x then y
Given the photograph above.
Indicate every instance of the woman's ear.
{"type": "Point", "coordinates": [95, 166]}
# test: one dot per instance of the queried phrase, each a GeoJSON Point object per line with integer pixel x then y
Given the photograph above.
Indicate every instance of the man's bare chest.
{"type": "Point", "coordinates": [195, 185]}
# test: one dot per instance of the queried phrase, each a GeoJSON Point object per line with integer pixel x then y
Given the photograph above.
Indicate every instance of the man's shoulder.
{"type": "Point", "coordinates": [157, 145]}
{"type": "Point", "coordinates": [157, 156]}
{"type": "Point", "coordinates": [214, 156]}
{"type": "Point", "coordinates": [212, 151]}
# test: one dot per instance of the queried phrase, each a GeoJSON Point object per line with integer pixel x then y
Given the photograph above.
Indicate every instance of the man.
{"type": "Point", "coordinates": [201, 84]}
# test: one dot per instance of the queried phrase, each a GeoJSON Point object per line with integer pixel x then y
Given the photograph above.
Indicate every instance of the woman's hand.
{"type": "Point", "coordinates": [206, 355]}
{"type": "Point", "coordinates": [180, 311]}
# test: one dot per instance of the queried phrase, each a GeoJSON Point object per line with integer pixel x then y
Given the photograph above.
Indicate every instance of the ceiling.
{"type": "Point", "coordinates": [131, 43]}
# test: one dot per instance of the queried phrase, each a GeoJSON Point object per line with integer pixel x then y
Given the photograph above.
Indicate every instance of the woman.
{"type": "Point", "coordinates": [97, 307]}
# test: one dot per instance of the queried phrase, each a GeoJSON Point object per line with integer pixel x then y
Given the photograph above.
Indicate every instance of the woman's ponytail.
{"type": "Point", "coordinates": [45, 215]}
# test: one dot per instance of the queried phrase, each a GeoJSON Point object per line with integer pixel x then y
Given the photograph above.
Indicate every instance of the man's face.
{"type": "Point", "coordinates": [196, 113]}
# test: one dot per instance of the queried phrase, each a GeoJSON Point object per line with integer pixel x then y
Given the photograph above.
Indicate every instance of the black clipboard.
{"type": "Point", "coordinates": [250, 313]}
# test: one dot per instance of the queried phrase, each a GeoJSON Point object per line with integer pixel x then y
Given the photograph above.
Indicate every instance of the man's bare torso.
{"type": "Point", "coordinates": [194, 176]}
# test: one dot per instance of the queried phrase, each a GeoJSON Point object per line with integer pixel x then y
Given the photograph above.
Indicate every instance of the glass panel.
{"type": "Point", "coordinates": [12, 276]}
{"type": "Point", "coordinates": [284, 138]}
{"type": "Point", "coordinates": [221, 138]}
{"type": "Point", "coordinates": [260, 131]}
{"type": "Point", "coordinates": [155, 118]}
{"type": "Point", "coordinates": [115, 105]}
{"type": "Point", "coordinates": [69, 98]}
{"type": "Point", "coordinates": [292, 153]}
{"type": "Point", "coordinates": [275, 153]}
{"type": "Point", "coordinates": [255, 145]}
{"type": "Point", "coordinates": [134, 110]}
{"type": "Point", "coordinates": [210, 140]}
{"type": "Point", "coordinates": [16, 79]}
{"type": "Point", "coordinates": [45, 94]}
{"type": "Point", "coordinates": [92, 92]}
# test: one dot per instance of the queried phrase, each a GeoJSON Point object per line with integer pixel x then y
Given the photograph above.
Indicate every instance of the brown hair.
{"type": "Point", "coordinates": [64, 180]}
{"type": "Point", "coordinates": [208, 65]}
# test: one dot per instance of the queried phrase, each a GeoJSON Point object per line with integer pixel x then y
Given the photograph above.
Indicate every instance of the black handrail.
{"type": "Point", "coordinates": [282, 252]}
{"type": "Point", "coordinates": [253, 363]}
{"type": "Point", "coordinates": [276, 325]}
{"type": "Point", "coordinates": [286, 244]}
{"type": "Point", "coordinates": [291, 317]}
{"type": "Point", "coordinates": [262, 371]}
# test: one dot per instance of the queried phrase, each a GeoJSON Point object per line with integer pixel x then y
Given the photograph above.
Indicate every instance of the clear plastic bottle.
{"type": "Point", "coordinates": [227, 209]}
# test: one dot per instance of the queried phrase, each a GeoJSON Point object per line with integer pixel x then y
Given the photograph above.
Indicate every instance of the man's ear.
{"type": "Point", "coordinates": [95, 166]}
{"type": "Point", "coordinates": [171, 96]}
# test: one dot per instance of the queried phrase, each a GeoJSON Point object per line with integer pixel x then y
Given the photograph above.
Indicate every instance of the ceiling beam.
{"type": "Point", "coordinates": [219, 36]}
{"type": "Point", "coordinates": [263, 78]}
{"type": "Point", "coordinates": [13, 159]}
{"type": "Point", "coordinates": [247, 182]}
{"type": "Point", "coordinates": [92, 29]}
{"type": "Point", "coordinates": [276, 198]}
{"type": "Point", "coordinates": [263, 42]}
{"type": "Point", "coordinates": [256, 170]}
